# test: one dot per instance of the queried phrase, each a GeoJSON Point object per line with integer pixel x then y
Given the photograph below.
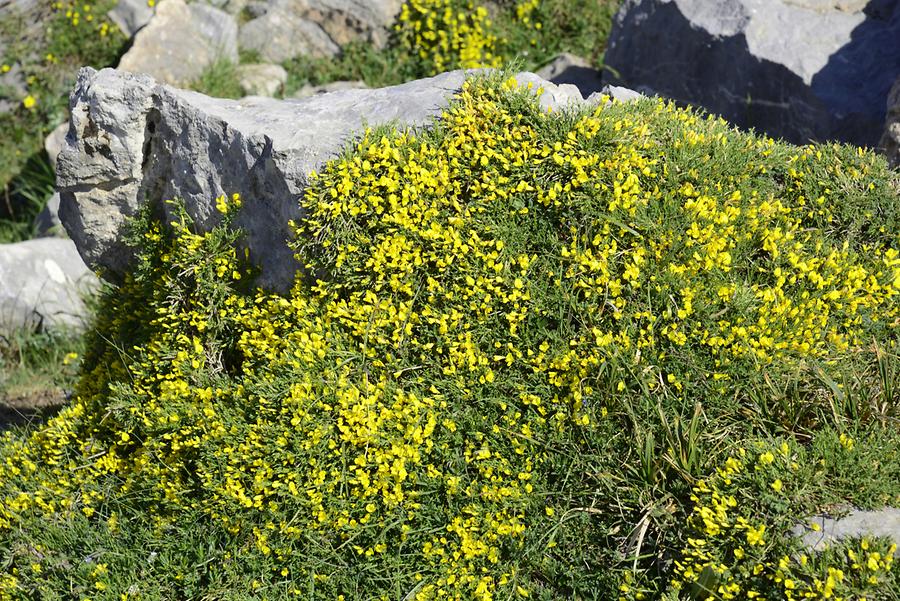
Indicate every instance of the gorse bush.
{"type": "Point", "coordinates": [522, 346]}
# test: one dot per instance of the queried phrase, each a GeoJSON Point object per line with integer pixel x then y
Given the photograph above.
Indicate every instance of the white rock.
{"type": "Point", "coordinates": [856, 524]}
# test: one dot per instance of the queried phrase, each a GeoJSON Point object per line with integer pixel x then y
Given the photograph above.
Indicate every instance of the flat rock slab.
{"type": "Point", "coordinates": [798, 69]}
{"type": "Point", "coordinates": [856, 524]}
{"type": "Point", "coordinates": [180, 41]}
{"type": "Point", "coordinates": [41, 285]}
{"type": "Point", "coordinates": [134, 140]}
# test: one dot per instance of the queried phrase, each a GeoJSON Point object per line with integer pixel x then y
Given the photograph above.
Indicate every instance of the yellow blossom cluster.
{"type": "Point", "coordinates": [453, 34]}
{"type": "Point", "coordinates": [478, 301]}
{"type": "Point", "coordinates": [730, 553]}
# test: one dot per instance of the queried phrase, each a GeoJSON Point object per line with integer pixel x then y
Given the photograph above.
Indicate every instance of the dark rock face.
{"type": "Point", "coordinates": [798, 69]}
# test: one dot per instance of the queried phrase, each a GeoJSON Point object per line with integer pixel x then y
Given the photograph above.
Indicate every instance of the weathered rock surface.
{"type": "Point", "coordinates": [335, 86]}
{"type": "Point", "coordinates": [799, 69]}
{"type": "Point", "coordinates": [130, 15]}
{"type": "Point", "coordinates": [134, 139]}
{"type": "Point", "coordinates": [856, 524]}
{"type": "Point", "coordinates": [890, 140]}
{"type": "Point", "coordinates": [571, 69]}
{"type": "Point", "coordinates": [262, 79]}
{"type": "Point", "coordinates": [180, 41]}
{"type": "Point", "coordinates": [41, 284]}
{"type": "Point", "coordinates": [290, 28]}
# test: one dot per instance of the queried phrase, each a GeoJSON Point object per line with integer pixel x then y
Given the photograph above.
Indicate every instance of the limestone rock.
{"type": "Point", "coordinates": [856, 524]}
{"type": "Point", "coordinates": [291, 28]}
{"type": "Point", "coordinates": [130, 15]}
{"type": "Point", "coordinates": [335, 86]}
{"type": "Point", "coordinates": [41, 284]}
{"type": "Point", "coordinates": [890, 140]}
{"type": "Point", "coordinates": [182, 40]}
{"type": "Point", "coordinates": [799, 69]}
{"type": "Point", "coordinates": [571, 69]}
{"type": "Point", "coordinates": [47, 222]}
{"type": "Point", "coordinates": [261, 80]}
{"type": "Point", "coordinates": [134, 140]}
{"type": "Point", "coordinates": [54, 141]}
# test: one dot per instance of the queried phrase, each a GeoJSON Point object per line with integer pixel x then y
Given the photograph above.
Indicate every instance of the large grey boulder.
{"type": "Point", "coordinates": [134, 140]}
{"type": "Point", "coordinates": [798, 69]}
{"type": "Point", "coordinates": [42, 283]}
{"type": "Point", "coordinates": [181, 41]}
{"type": "Point", "coordinates": [890, 140]}
{"type": "Point", "coordinates": [289, 28]}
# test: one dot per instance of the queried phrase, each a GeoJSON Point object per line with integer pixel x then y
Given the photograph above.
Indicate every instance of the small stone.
{"type": "Point", "coordinates": [262, 79]}
{"type": "Point", "coordinates": [131, 15]}
{"type": "Point", "coordinates": [181, 41]}
{"type": "Point", "coordinates": [335, 86]}
{"type": "Point", "coordinates": [856, 524]}
{"type": "Point", "coordinates": [47, 222]}
{"type": "Point", "coordinates": [571, 69]}
{"type": "Point", "coordinates": [53, 143]}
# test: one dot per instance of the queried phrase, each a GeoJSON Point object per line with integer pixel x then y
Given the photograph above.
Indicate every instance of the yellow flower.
{"type": "Point", "coordinates": [29, 102]}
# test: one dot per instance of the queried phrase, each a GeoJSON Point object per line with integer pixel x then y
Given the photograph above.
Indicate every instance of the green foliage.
{"type": "Point", "coordinates": [537, 349]}
{"type": "Point", "coordinates": [219, 80]}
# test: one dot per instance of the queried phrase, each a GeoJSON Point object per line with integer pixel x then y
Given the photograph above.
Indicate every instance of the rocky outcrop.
{"type": "Point", "coordinates": [890, 140]}
{"type": "Point", "coordinates": [285, 29]}
{"type": "Point", "coordinates": [798, 69]}
{"type": "Point", "coordinates": [181, 41]}
{"type": "Point", "coordinates": [133, 139]}
{"type": "Point", "coordinates": [41, 285]}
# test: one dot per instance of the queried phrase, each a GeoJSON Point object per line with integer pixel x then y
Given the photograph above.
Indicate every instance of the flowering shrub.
{"type": "Point", "coordinates": [733, 549]}
{"type": "Point", "coordinates": [443, 407]}
{"type": "Point", "coordinates": [454, 34]}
